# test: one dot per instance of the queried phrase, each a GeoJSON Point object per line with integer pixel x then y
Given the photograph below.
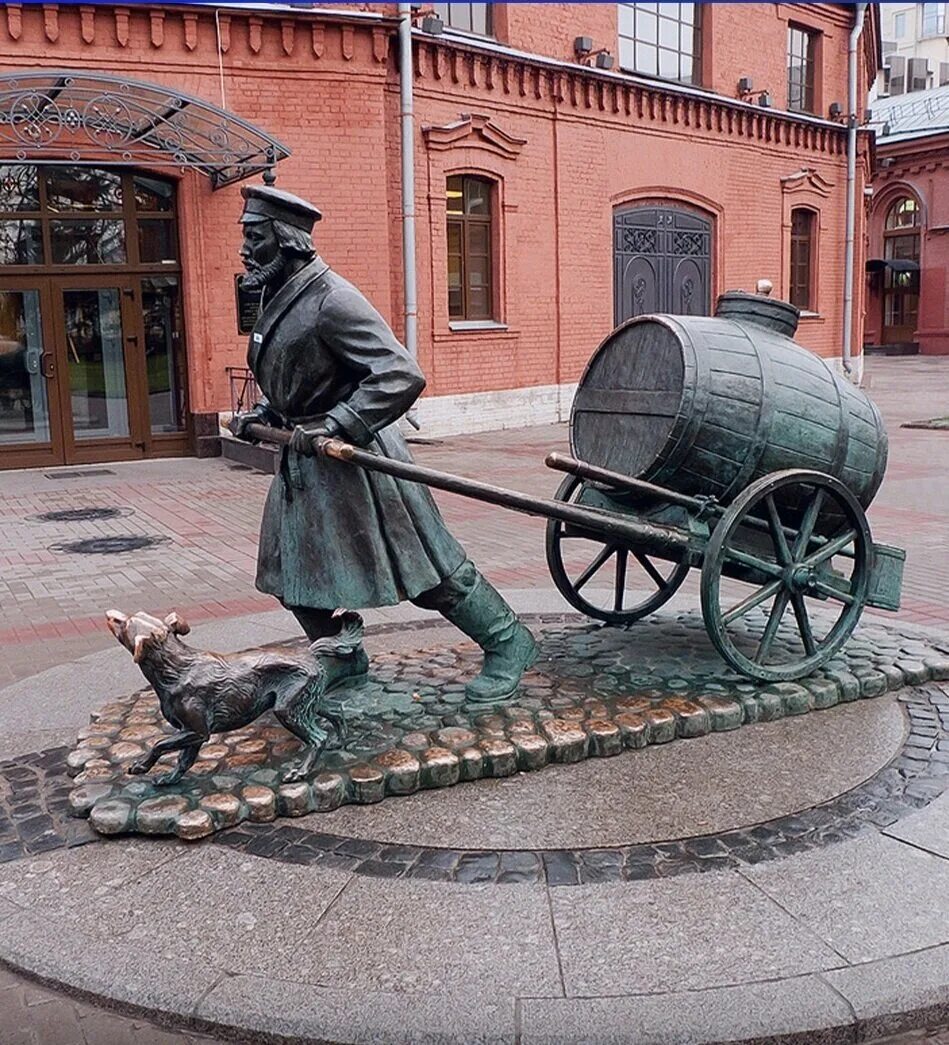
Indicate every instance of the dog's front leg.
{"type": "Point", "coordinates": [187, 741]}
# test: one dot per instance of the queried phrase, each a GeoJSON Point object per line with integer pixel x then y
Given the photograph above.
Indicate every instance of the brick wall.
{"type": "Point", "coordinates": [565, 146]}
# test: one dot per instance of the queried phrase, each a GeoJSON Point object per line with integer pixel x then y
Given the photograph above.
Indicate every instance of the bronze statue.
{"type": "Point", "coordinates": [333, 535]}
{"type": "Point", "coordinates": [202, 693]}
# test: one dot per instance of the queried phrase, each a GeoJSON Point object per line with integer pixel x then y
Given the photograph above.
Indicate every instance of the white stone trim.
{"type": "Point", "coordinates": [490, 411]}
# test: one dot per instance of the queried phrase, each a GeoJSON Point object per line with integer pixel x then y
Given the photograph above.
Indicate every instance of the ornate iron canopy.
{"type": "Point", "coordinates": [71, 117]}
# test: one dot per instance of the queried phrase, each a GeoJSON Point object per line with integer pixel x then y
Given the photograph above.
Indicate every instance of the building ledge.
{"type": "Point", "coordinates": [459, 325]}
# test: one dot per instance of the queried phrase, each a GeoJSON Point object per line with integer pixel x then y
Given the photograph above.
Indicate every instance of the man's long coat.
{"type": "Point", "coordinates": [333, 534]}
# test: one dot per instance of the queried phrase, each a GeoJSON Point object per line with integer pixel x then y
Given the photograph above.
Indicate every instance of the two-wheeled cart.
{"type": "Point", "coordinates": [717, 444]}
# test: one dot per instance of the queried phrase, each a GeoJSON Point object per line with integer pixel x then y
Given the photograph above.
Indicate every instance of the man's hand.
{"type": "Point", "coordinates": [304, 438]}
{"type": "Point", "coordinates": [261, 414]}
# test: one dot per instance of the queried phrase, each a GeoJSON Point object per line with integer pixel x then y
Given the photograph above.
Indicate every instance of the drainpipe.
{"type": "Point", "coordinates": [407, 109]}
{"type": "Point", "coordinates": [860, 13]}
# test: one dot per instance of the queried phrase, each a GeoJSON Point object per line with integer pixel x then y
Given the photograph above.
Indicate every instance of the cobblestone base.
{"type": "Point", "coordinates": [594, 692]}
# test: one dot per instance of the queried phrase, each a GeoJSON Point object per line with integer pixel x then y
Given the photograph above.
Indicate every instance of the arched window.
{"type": "Point", "coordinates": [803, 292]}
{"type": "Point", "coordinates": [901, 275]}
{"type": "Point", "coordinates": [470, 248]}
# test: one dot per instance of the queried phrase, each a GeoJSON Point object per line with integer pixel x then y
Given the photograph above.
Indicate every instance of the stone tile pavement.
{"type": "Point", "coordinates": [207, 512]}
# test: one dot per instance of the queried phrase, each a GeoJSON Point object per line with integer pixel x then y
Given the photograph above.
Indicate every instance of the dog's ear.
{"type": "Point", "coordinates": [177, 625]}
{"type": "Point", "coordinates": [138, 649]}
{"type": "Point", "coordinates": [116, 621]}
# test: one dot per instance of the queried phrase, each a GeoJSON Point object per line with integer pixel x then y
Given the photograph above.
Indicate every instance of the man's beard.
{"type": "Point", "coordinates": [259, 277]}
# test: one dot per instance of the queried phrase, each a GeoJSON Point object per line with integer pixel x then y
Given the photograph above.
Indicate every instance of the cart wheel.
{"type": "Point", "coordinates": [752, 546]}
{"type": "Point", "coordinates": [639, 583]}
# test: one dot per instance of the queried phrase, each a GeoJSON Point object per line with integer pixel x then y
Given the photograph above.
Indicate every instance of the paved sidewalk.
{"type": "Point", "coordinates": [207, 512]}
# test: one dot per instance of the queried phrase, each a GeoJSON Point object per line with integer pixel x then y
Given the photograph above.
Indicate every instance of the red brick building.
{"type": "Point", "coordinates": [555, 193]}
{"type": "Point", "coordinates": [908, 230]}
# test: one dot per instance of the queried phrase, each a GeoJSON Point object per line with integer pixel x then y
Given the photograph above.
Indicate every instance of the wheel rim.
{"type": "Point", "coordinates": [604, 578]}
{"type": "Point", "coordinates": [775, 577]}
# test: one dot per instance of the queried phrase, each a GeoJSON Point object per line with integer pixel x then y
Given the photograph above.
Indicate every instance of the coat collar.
{"type": "Point", "coordinates": [277, 306]}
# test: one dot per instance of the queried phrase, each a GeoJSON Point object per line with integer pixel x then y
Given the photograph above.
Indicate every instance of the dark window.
{"type": "Point", "coordinates": [470, 18]}
{"type": "Point", "coordinates": [65, 215]}
{"type": "Point", "coordinates": [663, 40]}
{"type": "Point", "coordinates": [802, 64]}
{"type": "Point", "coordinates": [802, 257]}
{"type": "Point", "coordinates": [901, 286]}
{"type": "Point", "coordinates": [934, 20]}
{"type": "Point", "coordinates": [470, 246]}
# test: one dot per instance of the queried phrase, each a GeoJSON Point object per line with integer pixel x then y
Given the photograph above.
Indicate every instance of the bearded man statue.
{"type": "Point", "coordinates": [334, 535]}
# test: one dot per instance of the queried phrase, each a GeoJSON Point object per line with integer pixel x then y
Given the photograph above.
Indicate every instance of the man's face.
{"type": "Point", "coordinates": [261, 255]}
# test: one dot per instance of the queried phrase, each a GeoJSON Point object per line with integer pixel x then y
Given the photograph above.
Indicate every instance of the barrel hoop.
{"type": "Point", "coordinates": [763, 420]}
{"type": "Point", "coordinates": [798, 391]}
{"type": "Point", "coordinates": [841, 447]}
{"type": "Point", "coordinates": [616, 401]}
{"type": "Point", "coordinates": [882, 449]}
{"type": "Point", "coordinates": [695, 396]}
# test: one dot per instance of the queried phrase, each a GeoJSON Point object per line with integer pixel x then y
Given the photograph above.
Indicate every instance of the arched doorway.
{"type": "Point", "coordinates": [901, 271]}
{"type": "Point", "coordinates": [661, 262]}
{"type": "Point", "coordinates": [92, 363]}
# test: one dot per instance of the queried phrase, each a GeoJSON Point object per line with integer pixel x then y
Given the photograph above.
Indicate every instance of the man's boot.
{"type": "Point", "coordinates": [475, 607]}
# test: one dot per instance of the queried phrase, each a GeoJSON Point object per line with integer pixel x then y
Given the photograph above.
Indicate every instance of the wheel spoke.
{"type": "Point", "coordinates": [833, 593]}
{"type": "Point", "coordinates": [771, 628]}
{"type": "Point", "coordinates": [804, 623]}
{"type": "Point", "coordinates": [806, 531]}
{"type": "Point", "coordinates": [777, 531]}
{"type": "Point", "coordinates": [830, 549]}
{"type": "Point", "coordinates": [771, 569]}
{"type": "Point", "coordinates": [621, 556]}
{"type": "Point", "coordinates": [594, 566]}
{"type": "Point", "coordinates": [755, 599]}
{"type": "Point", "coordinates": [655, 575]}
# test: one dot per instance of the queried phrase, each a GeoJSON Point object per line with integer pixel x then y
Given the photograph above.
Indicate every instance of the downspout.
{"type": "Point", "coordinates": [407, 110]}
{"type": "Point", "coordinates": [860, 14]}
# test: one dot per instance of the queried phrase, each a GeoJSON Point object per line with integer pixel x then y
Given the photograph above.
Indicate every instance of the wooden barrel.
{"type": "Point", "coordinates": [705, 405]}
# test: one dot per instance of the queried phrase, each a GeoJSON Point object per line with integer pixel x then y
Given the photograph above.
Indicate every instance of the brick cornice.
{"type": "Point", "coordinates": [329, 33]}
{"type": "Point", "coordinates": [445, 64]}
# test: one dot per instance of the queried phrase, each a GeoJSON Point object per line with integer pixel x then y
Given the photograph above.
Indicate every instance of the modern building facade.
{"type": "Point", "coordinates": [915, 48]}
{"type": "Point", "coordinates": [575, 164]}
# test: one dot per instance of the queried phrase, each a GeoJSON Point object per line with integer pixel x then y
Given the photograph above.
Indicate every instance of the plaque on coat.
{"type": "Point", "coordinates": [248, 307]}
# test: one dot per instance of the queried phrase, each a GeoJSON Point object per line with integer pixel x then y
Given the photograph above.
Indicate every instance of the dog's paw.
{"type": "Point", "coordinates": [137, 768]}
{"type": "Point", "coordinates": [167, 778]}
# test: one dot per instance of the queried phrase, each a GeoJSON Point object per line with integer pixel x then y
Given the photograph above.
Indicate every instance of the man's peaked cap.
{"type": "Point", "coordinates": [263, 203]}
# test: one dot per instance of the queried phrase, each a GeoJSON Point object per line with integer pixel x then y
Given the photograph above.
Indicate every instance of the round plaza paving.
{"type": "Point", "coordinates": [771, 863]}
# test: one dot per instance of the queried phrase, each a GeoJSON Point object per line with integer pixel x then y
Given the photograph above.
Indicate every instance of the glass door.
{"type": "Point", "coordinates": [100, 362]}
{"type": "Point", "coordinates": [31, 434]}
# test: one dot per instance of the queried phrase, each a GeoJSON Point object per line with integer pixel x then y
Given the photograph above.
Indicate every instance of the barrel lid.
{"type": "Point", "coordinates": [771, 313]}
{"type": "Point", "coordinates": [628, 398]}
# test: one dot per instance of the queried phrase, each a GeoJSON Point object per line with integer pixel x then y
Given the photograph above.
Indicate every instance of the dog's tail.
{"type": "Point", "coordinates": [346, 641]}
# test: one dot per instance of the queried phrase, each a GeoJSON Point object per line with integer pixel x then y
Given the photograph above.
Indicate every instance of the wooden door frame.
{"type": "Point", "coordinates": [53, 453]}
{"type": "Point", "coordinates": [116, 448]}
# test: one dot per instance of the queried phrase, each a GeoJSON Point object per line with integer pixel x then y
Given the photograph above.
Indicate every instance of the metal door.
{"type": "Point", "coordinates": [661, 262]}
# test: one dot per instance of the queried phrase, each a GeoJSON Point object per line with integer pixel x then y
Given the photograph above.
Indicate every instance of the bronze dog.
{"type": "Point", "coordinates": [203, 693]}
